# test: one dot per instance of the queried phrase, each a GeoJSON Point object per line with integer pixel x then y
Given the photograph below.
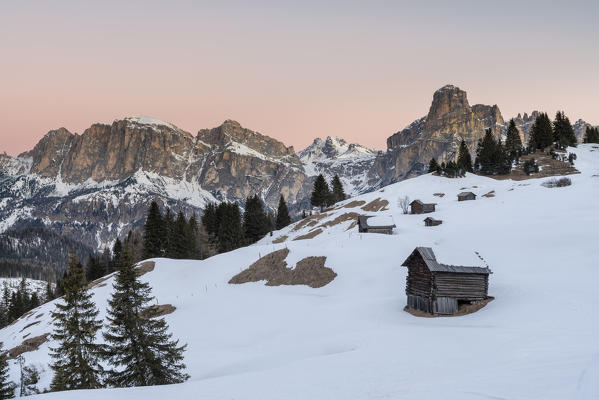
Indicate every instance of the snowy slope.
{"type": "Point", "coordinates": [334, 156]}
{"type": "Point", "coordinates": [351, 339]}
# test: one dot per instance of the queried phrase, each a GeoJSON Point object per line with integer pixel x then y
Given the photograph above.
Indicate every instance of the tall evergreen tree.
{"type": "Point", "coordinates": [76, 359]}
{"type": "Point", "coordinates": [591, 135]}
{"type": "Point", "coordinates": [154, 233]}
{"type": "Point", "coordinates": [116, 250]}
{"type": "Point", "coordinates": [464, 159]}
{"type": "Point", "coordinates": [283, 218]}
{"type": "Point", "coordinates": [192, 238]}
{"type": "Point", "coordinates": [139, 345]}
{"type": "Point", "coordinates": [7, 388]}
{"type": "Point", "coordinates": [178, 248]}
{"type": "Point", "coordinates": [169, 245]}
{"type": "Point", "coordinates": [321, 195]}
{"type": "Point", "coordinates": [230, 231]}
{"type": "Point", "coordinates": [513, 142]}
{"type": "Point", "coordinates": [210, 220]}
{"type": "Point", "coordinates": [563, 133]}
{"type": "Point", "coordinates": [338, 192]}
{"type": "Point", "coordinates": [93, 269]}
{"type": "Point", "coordinates": [255, 221]}
{"type": "Point", "coordinates": [486, 153]}
{"type": "Point", "coordinates": [433, 166]}
{"type": "Point", "coordinates": [541, 133]}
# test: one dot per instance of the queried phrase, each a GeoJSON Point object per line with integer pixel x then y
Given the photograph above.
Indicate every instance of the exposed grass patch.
{"type": "Point", "coordinates": [30, 325]}
{"type": "Point", "coordinates": [354, 203]}
{"type": "Point", "coordinates": [349, 216]}
{"type": "Point", "coordinates": [158, 310]}
{"type": "Point", "coordinates": [309, 235]}
{"type": "Point", "coordinates": [376, 205]}
{"type": "Point", "coordinates": [439, 194]}
{"type": "Point", "coordinates": [280, 239]}
{"type": "Point", "coordinates": [309, 221]}
{"type": "Point", "coordinates": [30, 344]}
{"type": "Point", "coordinates": [144, 268]}
{"type": "Point", "coordinates": [561, 182]}
{"type": "Point", "coordinates": [490, 194]}
{"type": "Point", "coordinates": [272, 268]}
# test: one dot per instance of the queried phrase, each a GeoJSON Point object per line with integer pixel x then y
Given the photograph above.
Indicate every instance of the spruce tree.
{"type": "Point", "coordinates": [338, 192]}
{"type": "Point", "coordinates": [255, 221]}
{"type": "Point", "coordinates": [116, 250]}
{"type": "Point", "coordinates": [76, 359]}
{"type": "Point", "coordinates": [591, 135]}
{"type": "Point", "coordinates": [283, 218]}
{"type": "Point", "coordinates": [433, 166]}
{"type": "Point", "coordinates": [93, 269]}
{"type": "Point", "coordinates": [154, 233]}
{"type": "Point", "coordinates": [139, 346]}
{"type": "Point", "coordinates": [178, 247]}
{"type": "Point", "coordinates": [486, 153]}
{"type": "Point", "coordinates": [191, 237]}
{"type": "Point", "coordinates": [464, 159]}
{"type": "Point", "coordinates": [541, 133]}
{"type": "Point", "coordinates": [168, 244]}
{"type": "Point", "coordinates": [210, 221]}
{"type": "Point", "coordinates": [7, 388]}
{"type": "Point", "coordinates": [321, 195]}
{"type": "Point", "coordinates": [513, 143]}
{"type": "Point", "coordinates": [563, 133]}
{"type": "Point", "coordinates": [230, 231]}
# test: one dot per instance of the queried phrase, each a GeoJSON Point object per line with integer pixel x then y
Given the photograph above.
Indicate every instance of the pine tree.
{"type": "Point", "coordinates": [321, 195]}
{"type": "Point", "coordinates": [338, 192]}
{"type": "Point", "coordinates": [76, 359]}
{"type": "Point", "coordinates": [49, 295]}
{"type": "Point", "coordinates": [178, 248]}
{"type": "Point", "coordinates": [433, 166]}
{"type": "Point", "coordinates": [563, 133]}
{"type": "Point", "coordinates": [7, 388]}
{"type": "Point", "coordinates": [192, 238]}
{"type": "Point", "coordinates": [116, 250]}
{"type": "Point", "coordinates": [464, 159]}
{"type": "Point", "coordinates": [154, 233]}
{"type": "Point", "coordinates": [139, 345]}
{"type": "Point", "coordinates": [513, 143]}
{"type": "Point", "coordinates": [105, 262]}
{"type": "Point", "coordinates": [591, 135]}
{"type": "Point", "coordinates": [255, 221]}
{"type": "Point", "coordinates": [230, 231]}
{"type": "Point", "coordinates": [210, 221]}
{"type": "Point", "coordinates": [93, 269]}
{"type": "Point", "coordinates": [541, 133]}
{"type": "Point", "coordinates": [283, 218]}
{"type": "Point", "coordinates": [169, 243]}
{"type": "Point", "coordinates": [486, 153]}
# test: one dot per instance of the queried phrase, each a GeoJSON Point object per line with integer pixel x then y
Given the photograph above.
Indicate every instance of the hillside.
{"type": "Point", "coordinates": [351, 339]}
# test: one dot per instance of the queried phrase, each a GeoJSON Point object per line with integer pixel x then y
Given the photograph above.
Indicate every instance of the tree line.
{"type": "Point", "coordinates": [139, 350]}
{"type": "Point", "coordinates": [494, 157]}
{"type": "Point", "coordinates": [324, 195]}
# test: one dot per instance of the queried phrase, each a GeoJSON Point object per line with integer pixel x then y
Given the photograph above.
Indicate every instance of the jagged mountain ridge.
{"type": "Point", "coordinates": [334, 156]}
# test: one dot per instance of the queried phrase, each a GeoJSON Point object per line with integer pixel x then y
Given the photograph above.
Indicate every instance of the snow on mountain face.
{"type": "Point", "coordinates": [351, 339]}
{"type": "Point", "coordinates": [334, 156]}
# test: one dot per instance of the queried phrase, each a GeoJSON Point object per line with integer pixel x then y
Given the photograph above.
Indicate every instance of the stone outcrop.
{"type": "Point", "coordinates": [450, 120]}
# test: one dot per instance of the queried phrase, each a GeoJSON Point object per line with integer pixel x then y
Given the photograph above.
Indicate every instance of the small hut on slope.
{"type": "Point", "coordinates": [466, 196]}
{"type": "Point", "coordinates": [429, 221]}
{"type": "Point", "coordinates": [418, 207]}
{"type": "Point", "coordinates": [437, 288]}
{"type": "Point", "coordinates": [376, 224]}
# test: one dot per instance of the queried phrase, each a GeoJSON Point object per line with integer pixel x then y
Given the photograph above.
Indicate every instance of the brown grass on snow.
{"type": "Point", "coordinates": [145, 267]}
{"type": "Point", "coordinates": [30, 344]}
{"type": "Point", "coordinates": [158, 310]}
{"type": "Point", "coordinates": [490, 194]}
{"type": "Point", "coordinates": [355, 203]}
{"type": "Point", "coordinates": [30, 325]}
{"type": "Point", "coordinates": [439, 194]}
{"type": "Point", "coordinates": [272, 268]}
{"type": "Point", "coordinates": [348, 216]}
{"type": "Point", "coordinates": [309, 235]}
{"type": "Point", "coordinates": [280, 239]}
{"type": "Point", "coordinates": [376, 205]}
{"type": "Point", "coordinates": [352, 226]}
{"type": "Point", "coordinates": [309, 221]}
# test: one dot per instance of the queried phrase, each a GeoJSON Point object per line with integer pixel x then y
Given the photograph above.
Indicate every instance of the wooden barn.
{"type": "Point", "coordinates": [428, 221]}
{"type": "Point", "coordinates": [466, 196]}
{"type": "Point", "coordinates": [418, 207]}
{"type": "Point", "coordinates": [437, 288]}
{"type": "Point", "coordinates": [376, 224]}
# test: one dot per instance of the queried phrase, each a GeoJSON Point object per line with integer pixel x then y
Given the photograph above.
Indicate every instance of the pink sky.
{"type": "Point", "coordinates": [294, 71]}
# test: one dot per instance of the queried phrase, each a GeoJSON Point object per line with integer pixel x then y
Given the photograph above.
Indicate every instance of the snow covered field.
{"type": "Point", "coordinates": [351, 339]}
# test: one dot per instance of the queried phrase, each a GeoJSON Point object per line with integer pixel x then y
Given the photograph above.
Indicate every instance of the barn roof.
{"type": "Point", "coordinates": [465, 194]}
{"type": "Point", "coordinates": [430, 260]}
{"type": "Point", "coordinates": [378, 221]}
{"type": "Point", "coordinates": [423, 204]}
{"type": "Point", "coordinates": [431, 219]}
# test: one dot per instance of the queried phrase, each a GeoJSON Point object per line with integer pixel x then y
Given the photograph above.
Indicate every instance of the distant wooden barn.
{"type": "Point", "coordinates": [375, 224]}
{"type": "Point", "coordinates": [437, 288]}
{"type": "Point", "coordinates": [428, 221]}
{"type": "Point", "coordinates": [418, 207]}
{"type": "Point", "coordinates": [466, 196]}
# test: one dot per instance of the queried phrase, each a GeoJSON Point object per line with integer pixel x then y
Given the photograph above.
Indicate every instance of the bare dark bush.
{"type": "Point", "coordinates": [561, 182]}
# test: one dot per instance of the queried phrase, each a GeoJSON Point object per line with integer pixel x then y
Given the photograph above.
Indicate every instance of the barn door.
{"type": "Point", "coordinates": [445, 305]}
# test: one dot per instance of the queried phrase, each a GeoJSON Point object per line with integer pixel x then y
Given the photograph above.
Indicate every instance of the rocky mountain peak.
{"type": "Point", "coordinates": [446, 100]}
